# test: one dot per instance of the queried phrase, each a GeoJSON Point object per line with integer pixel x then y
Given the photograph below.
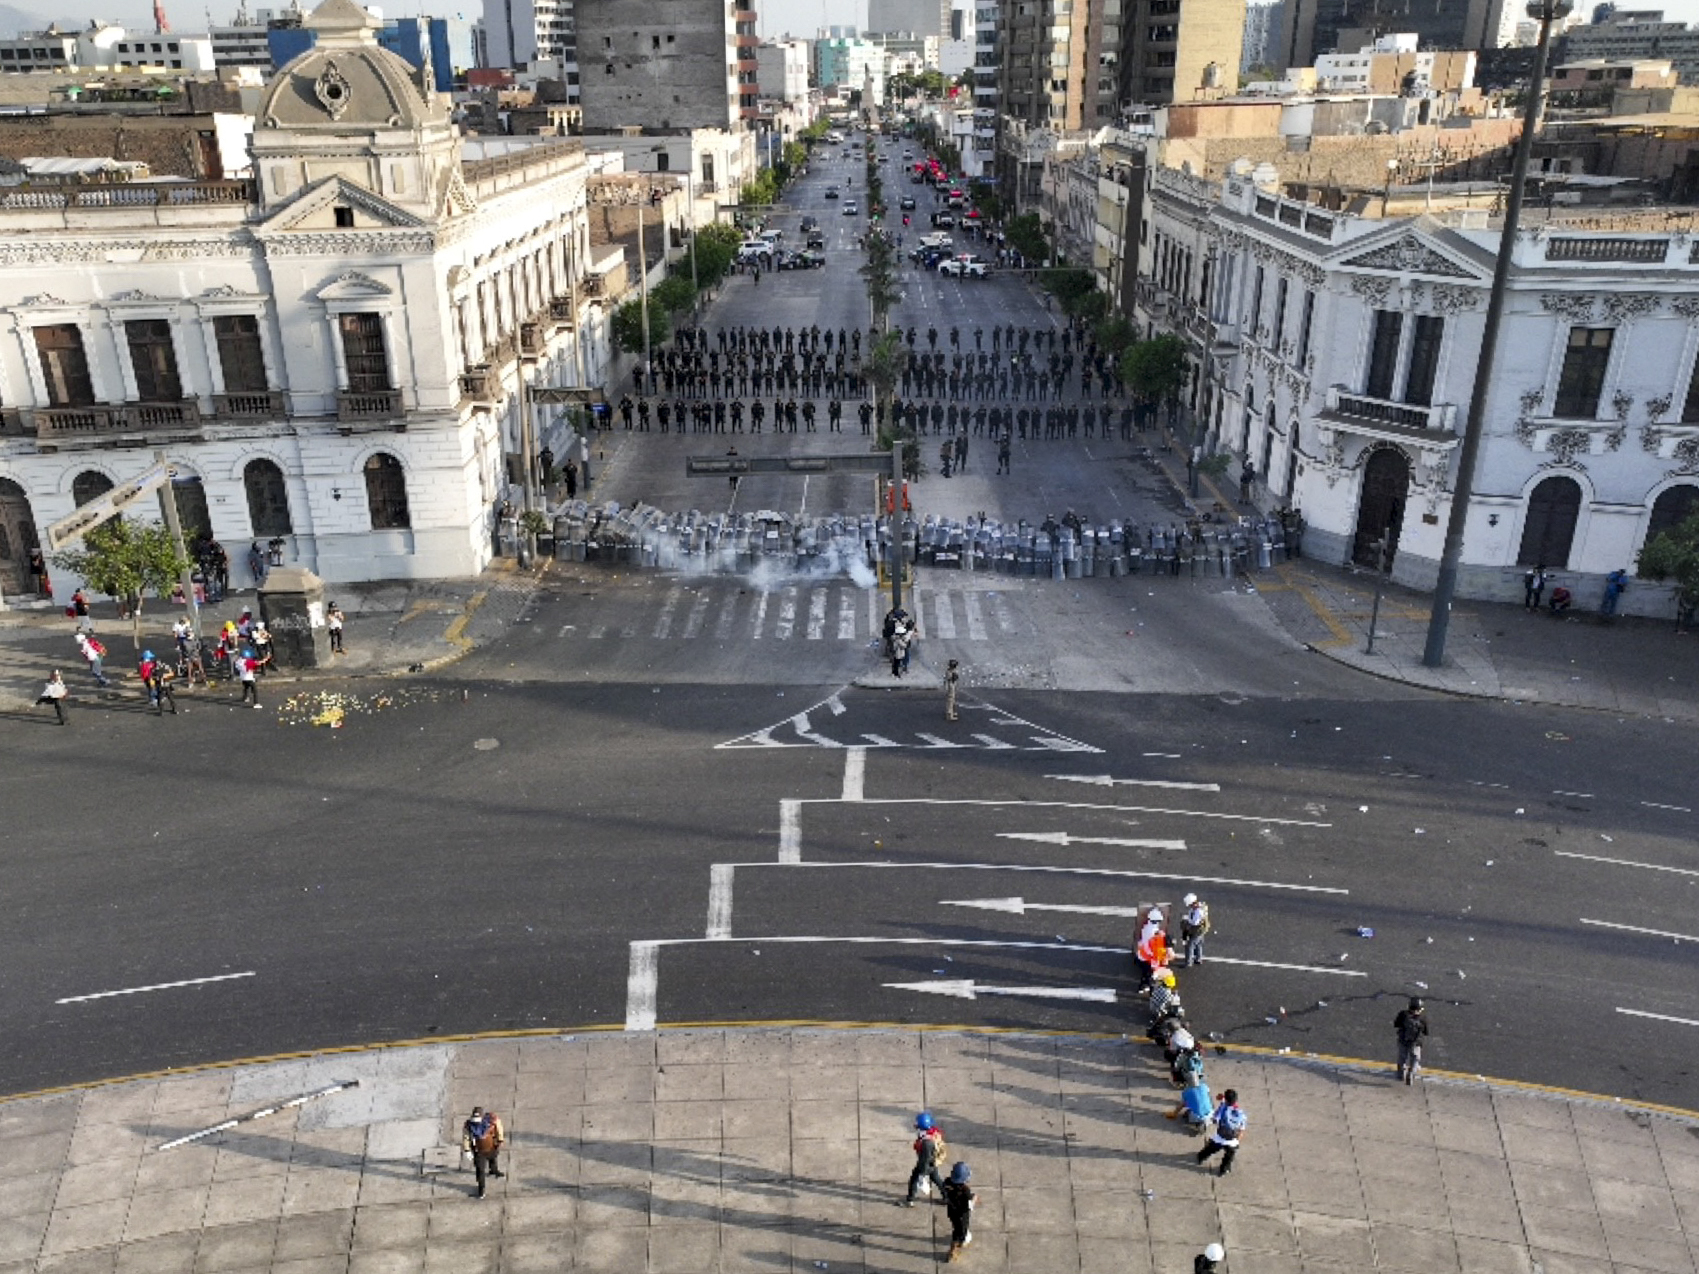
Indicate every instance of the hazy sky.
{"type": "Point", "coordinates": [798, 17]}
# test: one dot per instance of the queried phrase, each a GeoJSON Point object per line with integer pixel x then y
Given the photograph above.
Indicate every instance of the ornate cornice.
{"type": "Point", "coordinates": [1569, 305]}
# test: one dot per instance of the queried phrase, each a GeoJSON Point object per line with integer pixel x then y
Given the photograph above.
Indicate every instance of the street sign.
{"type": "Point", "coordinates": [103, 508]}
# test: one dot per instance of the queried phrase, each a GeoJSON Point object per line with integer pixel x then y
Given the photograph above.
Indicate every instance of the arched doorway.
{"type": "Point", "coordinates": [192, 511]}
{"type": "Point", "coordinates": [1380, 508]}
{"type": "Point", "coordinates": [1267, 446]}
{"type": "Point", "coordinates": [1292, 463]}
{"type": "Point", "coordinates": [1549, 529]}
{"type": "Point", "coordinates": [268, 499]}
{"type": "Point", "coordinates": [17, 538]}
{"type": "Point", "coordinates": [89, 484]}
{"type": "Point", "coordinates": [1672, 507]}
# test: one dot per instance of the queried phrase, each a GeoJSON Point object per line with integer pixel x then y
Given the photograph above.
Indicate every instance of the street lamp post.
{"type": "Point", "coordinates": [1545, 12]}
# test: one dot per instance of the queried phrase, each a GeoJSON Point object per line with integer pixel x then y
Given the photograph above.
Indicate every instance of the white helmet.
{"type": "Point", "coordinates": [1215, 1252]}
{"type": "Point", "coordinates": [1155, 916]}
{"type": "Point", "coordinates": [1188, 900]}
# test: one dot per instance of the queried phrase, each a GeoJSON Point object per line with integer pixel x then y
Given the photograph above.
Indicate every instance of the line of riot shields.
{"type": "Point", "coordinates": [731, 543]}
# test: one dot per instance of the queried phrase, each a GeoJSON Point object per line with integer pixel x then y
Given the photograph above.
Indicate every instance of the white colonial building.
{"type": "Point", "coordinates": [328, 353]}
{"type": "Point", "coordinates": [1338, 354]}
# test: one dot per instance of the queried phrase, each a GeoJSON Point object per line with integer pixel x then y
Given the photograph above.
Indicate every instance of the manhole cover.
{"type": "Point", "coordinates": [487, 745]}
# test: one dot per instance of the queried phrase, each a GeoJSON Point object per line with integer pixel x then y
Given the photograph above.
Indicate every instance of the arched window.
{"type": "Point", "coordinates": [1672, 508]}
{"type": "Point", "coordinates": [1549, 531]}
{"type": "Point", "coordinates": [268, 499]}
{"type": "Point", "coordinates": [386, 493]}
{"type": "Point", "coordinates": [88, 484]}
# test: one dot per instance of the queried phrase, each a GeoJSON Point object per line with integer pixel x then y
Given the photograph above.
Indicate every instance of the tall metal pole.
{"type": "Point", "coordinates": [1445, 586]}
{"type": "Point", "coordinates": [643, 282]}
{"type": "Point", "coordinates": [897, 547]}
{"type": "Point", "coordinates": [690, 194]}
{"type": "Point", "coordinates": [185, 580]}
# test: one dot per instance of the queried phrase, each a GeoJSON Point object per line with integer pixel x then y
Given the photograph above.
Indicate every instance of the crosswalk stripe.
{"type": "Point", "coordinates": [787, 615]}
{"type": "Point", "coordinates": [1005, 621]}
{"type": "Point", "coordinates": [873, 611]}
{"type": "Point", "coordinates": [975, 619]}
{"type": "Point", "coordinates": [946, 618]}
{"type": "Point", "coordinates": [698, 611]}
{"type": "Point", "coordinates": [728, 612]}
{"type": "Point", "coordinates": [816, 614]}
{"type": "Point", "coordinates": [664, 625]}
{"type": "Point", "coordinates": [760, 614]}
{"type": "Point", "coordinates": [846, 616]}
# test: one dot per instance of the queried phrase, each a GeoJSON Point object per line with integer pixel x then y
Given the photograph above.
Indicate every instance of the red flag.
{"type": "Point", "coordinates": [160, 25]}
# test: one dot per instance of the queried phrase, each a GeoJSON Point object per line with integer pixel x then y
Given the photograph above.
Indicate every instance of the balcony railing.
{"type": "Point", "coordinates": [249, 405]}
{"type": "Point", "coordinates": [67, 424]}
{"type": "Point", "coordinates": [532, 340]}
{"type": "Point", "coordinates": [560, 311]}
{"type": "Point", "coordinates": [1595, 248]}
{"type": "Point", "coordinates": [479, 384]}
{"type": "Point", "coordinates": [1382, 411]}
{"type": "Point", "coordinates": [130, 195]}
{"type": "Point", "coordinates": [377, 404]}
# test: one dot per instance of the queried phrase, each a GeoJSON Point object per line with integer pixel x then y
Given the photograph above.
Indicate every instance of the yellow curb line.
{"type": "Point", "coordinates": [1340, 636]}
{"type": "Point", "coordinates": [960, 1028]}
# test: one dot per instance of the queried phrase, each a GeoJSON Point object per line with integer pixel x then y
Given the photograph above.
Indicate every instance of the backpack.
{"type": "Point", "coordinates": [929, 1147]}
{"type": "Point", "coordinates": [1410, 1027]}
{"type": "Point", "coordinates": [1229, 1123]}
{"type": "Point", "coordinates": [95, 646]}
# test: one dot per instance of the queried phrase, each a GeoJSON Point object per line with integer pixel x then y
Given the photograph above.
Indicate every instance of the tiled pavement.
{"type": "Point", "coordinates": [781, 1149]}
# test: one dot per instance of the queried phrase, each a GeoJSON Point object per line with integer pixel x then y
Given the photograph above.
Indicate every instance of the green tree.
{"type": "Point", "coordinates": [1026, 236]}
{"type": "Point", "coordinates": [1155, 370]}
{"type": "Point", "coordinates": [127, 560]}
{"type": "Point", "coordinates": [1115, 335]}
{"type": "Point", "coordinates": [880, 273]}
{"type": "Point", "coordinates": [716, 248]}
{"type": "Point", "coordinates": [1674, 555]}
{"type": "Point", "coordinates": [887, 357]}
{"type": "Point", "coordinates": [628, 326]}
{"type": "Point", "coordinates": [1069, 285]}
{"type": "Point", "coordinates": [989, 205]}
{"type": "Point", "coordinates": [673, 295]}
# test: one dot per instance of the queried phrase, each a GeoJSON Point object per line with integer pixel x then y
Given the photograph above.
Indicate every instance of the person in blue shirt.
{"type": "Point", "coordinates": [1226, 1130]}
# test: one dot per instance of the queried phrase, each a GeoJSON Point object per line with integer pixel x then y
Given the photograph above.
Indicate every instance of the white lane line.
{"type": "Point", "coordinates": [1558, 791]}
{"type": "Point", "coordinates": [855, 773]}
{"type": "Point", "coordinates": [946, 616]}
{"type": "Point", "coordinates": [728, 612]}
{"type": "Point", "coordinates": [1625, 862]}
{"type": "Point", "coordinates": [1166, 756]}
{"type": "Point", "coordinates": [790, 831]}
{"type": "Point", "coordinates": [642, 984]}
{"type": "Point", "coordinates": [1294, 968]}
{"type": "Point", "coordinates": [760, 614]}
{"type": "Point", "coordinates": [263, 1113]}
{"type": "Point", "coordinates": [846, 616]}
{"type": "Point", "coordinates": [720, 900]}
{"type": "Point", "coordinates": [817, 600]}
{"type": "Point", "coordinates": [598, 631]}
{"type": "Point", "coordinates": [698, 612]}
{"type": "Point", "coordinates": [1114, 874]}
{"type": "Point", "coordinates": [1080, 805]}
{"type": "Point", "coordinates": [1656, 933]}
{"type": "Point", "coordinates": [1659, 1017]}
{"type": "Point", "coordinates": [1479, 783]}
{"type": "Point", "coordinates": [968, 989]}
{"type": "Point", "coordinates": [1654, 805]}
{"type": "Point", "coordinates": [157, 986]}
{"type": "Point", "coordinates": [664, 625]}
{"type": "Point", "coordinates": [975, 617]}
{"type": "Point", "coordinates": [787, 615]}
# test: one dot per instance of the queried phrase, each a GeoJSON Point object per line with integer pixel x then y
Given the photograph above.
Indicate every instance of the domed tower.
{"type": "Point", "coordinates": [348, 108]}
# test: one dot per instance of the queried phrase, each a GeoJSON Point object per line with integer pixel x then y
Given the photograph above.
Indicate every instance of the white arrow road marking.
{"type": "Point", "coordinates": [1020, 906]}
{"type": "Point", "coordinates": [1655, 933]}
{"type": "Point", "coordinates": [1659, 1017]}
{"type": "Point", "coordinates": [1063, 838]}
{"type": "Point", "coordinates": [157, 986]}
{"type": "Point", "coordinates": [968, 989]}
{"type": "Point", "coordinates": [887, 865]}
{"type": "Point", "coordinates": [643, 978]}
{"type": "Point", "coordinates": [1103, 780]}
{"type": "Point", "coordinates": [799, 731]}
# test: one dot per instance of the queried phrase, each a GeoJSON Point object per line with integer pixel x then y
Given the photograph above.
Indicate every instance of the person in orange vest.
{"type": "Point", "coordinates": [1151, 953]}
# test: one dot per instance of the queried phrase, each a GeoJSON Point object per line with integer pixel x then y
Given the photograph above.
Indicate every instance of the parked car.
{"type": "Point", "coordinates": [963, 267]}
{"type": "Point", "coordinates": [906, 202]}
{"type": "Point", "coordinates": [831, 192]}
{"type": "Point", "coordinates": [808, 223]}
{"type": "Point", "coordinates": [943, 219]}
{"type": "Point", "coordinates": [851, 208]}
{"type": "Point", "coordinates": [936, 239]}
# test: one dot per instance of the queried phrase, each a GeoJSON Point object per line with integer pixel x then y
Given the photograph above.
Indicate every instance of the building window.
{"type": "Point", "coordinates": [1671, 509]}
{"type": "Point", "coordinates": [386, 493]}
{"type": "Point", "coordinates": [1424, 359]}
{"type": "Point", "coordinates": [1690, 407]}
{"type": "Point", "coordinates": [1582, 380]}
{"type": "Point", "coordinates": [344, 218]}
{"type": "Point", "coordinates": [1279, 312]}
{"type": "Point", "coordinates": [88, 485]}
{"type": "Point", "coordinates": [1383, 353]}
{"type": "Point", "coordinates": [64, 366]}
{"type": "Point", "coordinates": [153, 358]}
{"type": "Point", "coordinates": [1256, 304]}
{"type": "Point", "coordinates": [1305, 325]}
{"type": "Point", "coordinates": [239, 353]}
{"type": "Point", "coordinates": [363, 353]}
{"type": "Point", "coordinates": [268, 499]}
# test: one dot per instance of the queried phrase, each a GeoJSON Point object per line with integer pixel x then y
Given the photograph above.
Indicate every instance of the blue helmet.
{"type": "Point", "coordinates": [961, 1174]}
{"type": "Point", "coordinates": [147, 654]}
{"type": "Point", "coordinates": [925, 1122]}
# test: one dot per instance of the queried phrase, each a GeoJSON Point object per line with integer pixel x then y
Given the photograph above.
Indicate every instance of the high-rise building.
{"type": "Point", "coordinates": [667, 64]}
{"type": "Point", "coordinates": [1262, 46]}
{"type": "Point", "coordinates": [922, 17]}
{"type": "Point", "coordinates": [1058, 62]}
{"type": "Point", "coordinates": [782, 66]}
{"type": "Point", "coordinates": [1180, 50]}
{"type": "Point", "coordinates": [520, 32]}
{"type": "Point", "coordinates": [1312, 27]}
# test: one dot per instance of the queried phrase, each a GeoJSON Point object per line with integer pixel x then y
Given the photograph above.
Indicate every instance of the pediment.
{"type": "Point", "coordinates": [351, 285]}
{"type": "Point", "coordinates": [338, 190]}
{"type": "Point", "coordinates": [1412, 253]}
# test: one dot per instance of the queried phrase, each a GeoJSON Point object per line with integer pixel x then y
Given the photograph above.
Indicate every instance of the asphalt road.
{"type": "Point", "coordinates": [400, 877]}
{"type": "Point", "coordinates": [655, 760]}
